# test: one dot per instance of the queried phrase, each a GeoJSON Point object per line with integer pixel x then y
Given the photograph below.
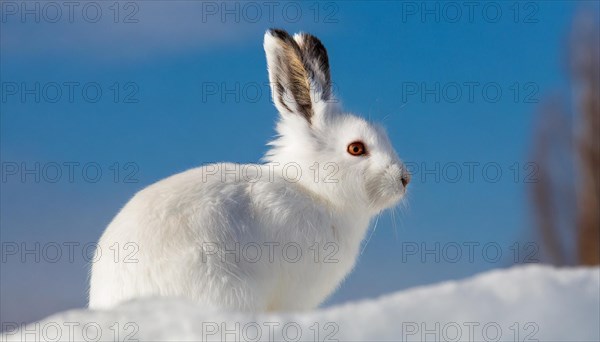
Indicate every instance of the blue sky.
{"type": "Point", "coordinates": [384, 57]}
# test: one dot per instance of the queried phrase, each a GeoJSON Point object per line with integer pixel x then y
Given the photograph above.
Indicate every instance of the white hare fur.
{"type": "Point", "coordinates": [228, 236]}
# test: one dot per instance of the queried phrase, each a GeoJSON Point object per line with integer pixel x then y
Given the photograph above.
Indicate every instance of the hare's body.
{"type": "Point", "coordinates": [225, 242]}
{"type": "Point", "coordinates": [275, 236]}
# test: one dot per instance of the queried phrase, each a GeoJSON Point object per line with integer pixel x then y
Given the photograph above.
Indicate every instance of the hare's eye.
{"type": "Point", "coordinates": [357, 148]}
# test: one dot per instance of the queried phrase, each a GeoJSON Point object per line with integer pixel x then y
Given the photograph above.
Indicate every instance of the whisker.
{"type": "Point", "coordinates": [394, 225]}
{"type": "Point", "coordinates": [370, 235]}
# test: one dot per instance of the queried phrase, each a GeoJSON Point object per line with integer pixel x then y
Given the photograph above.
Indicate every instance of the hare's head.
{"type": "Point", "coordinates": [344, 160]}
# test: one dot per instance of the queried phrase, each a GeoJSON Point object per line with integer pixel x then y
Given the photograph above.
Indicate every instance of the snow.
{"type": "Point", "coordinates": [526, 303]}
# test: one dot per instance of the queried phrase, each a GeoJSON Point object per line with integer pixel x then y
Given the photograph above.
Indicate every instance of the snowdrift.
{"type": "Point", "coordinates": [528, 303]}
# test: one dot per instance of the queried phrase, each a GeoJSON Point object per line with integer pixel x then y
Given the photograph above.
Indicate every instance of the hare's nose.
{"type": "Point", "coordinates": [405, 179]}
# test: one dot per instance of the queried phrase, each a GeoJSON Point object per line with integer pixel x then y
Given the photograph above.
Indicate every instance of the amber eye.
{"type": "Point", "coordinates": [357, 148]}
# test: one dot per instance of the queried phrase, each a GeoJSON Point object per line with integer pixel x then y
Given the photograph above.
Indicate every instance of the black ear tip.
{"type": "Point", "coordinates": [278, 33]}
{"type": "Point", "coordinates": [317, 42]}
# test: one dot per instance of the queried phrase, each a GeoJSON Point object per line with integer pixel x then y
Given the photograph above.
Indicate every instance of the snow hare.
{"type": "Point", "coordinates": [280, 235]}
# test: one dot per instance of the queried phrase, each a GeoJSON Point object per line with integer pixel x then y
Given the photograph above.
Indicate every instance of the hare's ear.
{"type": "Point", "coordinates": [288, 77]}
{"type": "Point", "coordinates": [316, 63]}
